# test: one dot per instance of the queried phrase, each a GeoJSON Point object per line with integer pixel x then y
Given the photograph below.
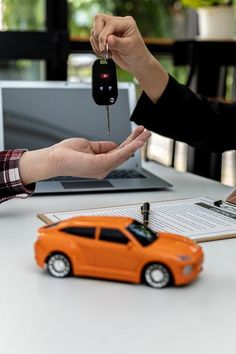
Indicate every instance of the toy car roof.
{"type": "Point", "coordinates": [105, 221]}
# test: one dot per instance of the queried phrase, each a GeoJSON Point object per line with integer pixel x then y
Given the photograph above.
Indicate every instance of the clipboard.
{"type": "Point", "coordinates": [201, 219]}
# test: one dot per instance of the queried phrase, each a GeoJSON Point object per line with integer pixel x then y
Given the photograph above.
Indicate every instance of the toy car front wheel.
{"type": "Point", "coordinates": [157, 275]}
{"type": "Point", "coordinates": [58, 265]}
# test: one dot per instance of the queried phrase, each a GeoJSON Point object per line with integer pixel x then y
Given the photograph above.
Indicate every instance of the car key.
{"type": "Point", "coordinates": [104, 83]}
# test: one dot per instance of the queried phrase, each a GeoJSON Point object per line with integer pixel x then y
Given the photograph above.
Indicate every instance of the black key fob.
{"type": "Point", "coordinates": [104, 82]}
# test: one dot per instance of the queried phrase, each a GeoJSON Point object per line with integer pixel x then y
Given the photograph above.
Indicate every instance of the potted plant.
{"type": "Point", "coordinates": [215, 17]}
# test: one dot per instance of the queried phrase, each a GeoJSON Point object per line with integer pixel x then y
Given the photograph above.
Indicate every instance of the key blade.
{"type": "Point", "coordinates": [108, 121]}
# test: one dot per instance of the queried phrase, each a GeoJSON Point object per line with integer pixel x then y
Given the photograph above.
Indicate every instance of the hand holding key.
{"type": "Point", "coordinates": [128, 50]}
{"type": "Point", "coordinates": [126, 45]}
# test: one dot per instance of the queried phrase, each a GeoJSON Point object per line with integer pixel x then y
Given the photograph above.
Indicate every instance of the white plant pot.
{"type": "Point", "coordinates": [216, 22]}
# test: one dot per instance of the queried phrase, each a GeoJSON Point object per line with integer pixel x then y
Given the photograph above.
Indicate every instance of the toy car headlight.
{"type": "Point", "coordinates": [187, 270]}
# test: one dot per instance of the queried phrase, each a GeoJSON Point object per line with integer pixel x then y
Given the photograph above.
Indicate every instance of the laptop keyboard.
{"type": "Point", "coordinates": [125, 174]}
{"type": "Point", "coordinates": [112, 175]}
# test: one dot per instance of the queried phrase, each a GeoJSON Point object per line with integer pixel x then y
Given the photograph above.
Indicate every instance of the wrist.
{"type": "Point", "coordinates": [35, 166]}
{"type": "Point", "coordinates": [144, 62]}
{"type": "Point", "coordinates": [152, 77]}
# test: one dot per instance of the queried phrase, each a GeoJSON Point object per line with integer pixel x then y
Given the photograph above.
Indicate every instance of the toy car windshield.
{"type": "Point", "coordinates": [143, 234]}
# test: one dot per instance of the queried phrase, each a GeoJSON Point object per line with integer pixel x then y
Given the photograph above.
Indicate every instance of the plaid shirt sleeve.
{"type": "Point", "coordinates": [10, 182]}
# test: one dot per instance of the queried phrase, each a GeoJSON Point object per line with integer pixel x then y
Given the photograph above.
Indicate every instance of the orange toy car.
{"type": "Point", "coordinates": [117, 248]}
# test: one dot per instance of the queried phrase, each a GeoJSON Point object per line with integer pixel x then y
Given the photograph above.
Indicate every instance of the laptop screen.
{"type": "Point", "coordinates": [36, 117]}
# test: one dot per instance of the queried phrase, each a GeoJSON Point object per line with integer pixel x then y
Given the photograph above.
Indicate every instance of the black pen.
{"type": "Point", "coordinates": [145, 211]}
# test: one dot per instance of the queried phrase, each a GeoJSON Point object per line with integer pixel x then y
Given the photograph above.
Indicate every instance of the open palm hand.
{"type": "Point", "coordinates": [94, 159]}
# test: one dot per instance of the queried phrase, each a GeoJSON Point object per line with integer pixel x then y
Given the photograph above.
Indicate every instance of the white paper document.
{"type": "Point", "coordinates": [196, 218]}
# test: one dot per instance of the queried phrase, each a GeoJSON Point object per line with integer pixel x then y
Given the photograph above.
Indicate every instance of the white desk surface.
{"type": "Point", "coordinates": [43, 315]}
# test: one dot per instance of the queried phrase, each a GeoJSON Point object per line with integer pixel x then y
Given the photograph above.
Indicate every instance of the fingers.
{"type": "Point", "coordinates": [113, 51]}
{"type": "Point", "coordinates": [139, 133]}
{"type": "Point", "coordinates": [119, 156]}
{"type": "Point", "coordinates": [144, 136]}
{"type": "Point", "coordinates": [132, 136]}
{"type": "Point", "coordinates": [117, 28]}
{"type": "Point", "coordinates": [99, 22]}
{"type": "Point", "coordinates": [111, 28]}
{"type": "Point", "coordinates": [100, 147]}
{"type": "Point", "coordinates": [95, 44]}
{"type": "Point", "coordinates": [116, 43]}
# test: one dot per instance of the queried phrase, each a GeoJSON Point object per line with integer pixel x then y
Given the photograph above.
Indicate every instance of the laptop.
{"type": "Point", "coordinates": [35, 115]}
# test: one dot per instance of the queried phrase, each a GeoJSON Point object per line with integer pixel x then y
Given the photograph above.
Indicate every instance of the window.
{"type": "Point", "coordinates": [22, 15]}
{"type": "Point", "coordinates": [113, 235]}
{"type": "Point", "coordinates": [168, 14]}
{"type": "Point", "coordinates": [143, 234]}
{"type": "Point", "coordinates": [22, 70]}
{"type": "Point", "coordinates": [87, 232]}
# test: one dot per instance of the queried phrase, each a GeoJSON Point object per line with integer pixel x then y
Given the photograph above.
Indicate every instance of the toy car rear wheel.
{"type": "Point", "coordinates": [58, 265]}
{"type": "Point", "coordinates": [157, 275]}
